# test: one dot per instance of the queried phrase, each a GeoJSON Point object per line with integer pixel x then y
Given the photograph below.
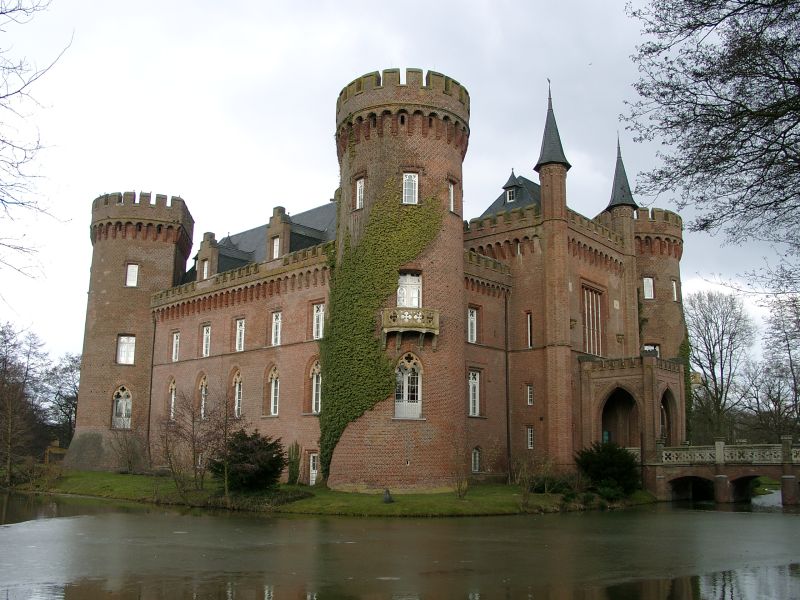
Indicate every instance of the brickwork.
{"type": "Point", "coordinates": [562, 317]}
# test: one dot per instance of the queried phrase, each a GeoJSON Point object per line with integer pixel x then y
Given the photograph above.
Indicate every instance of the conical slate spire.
{"type": "Point", "coordinates": [552, 151]}
{"type": "Point", "coordinates": [621, 189]}
{"type": "Point", "coordinates": [512, 181]}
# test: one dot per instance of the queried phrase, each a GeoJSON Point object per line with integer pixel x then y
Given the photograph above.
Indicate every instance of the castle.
{"type": "Point", "coordinates": [396, 343]}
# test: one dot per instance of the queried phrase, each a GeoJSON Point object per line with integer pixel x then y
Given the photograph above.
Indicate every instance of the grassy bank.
{"type": "Point", "coordinates": [484, 499]}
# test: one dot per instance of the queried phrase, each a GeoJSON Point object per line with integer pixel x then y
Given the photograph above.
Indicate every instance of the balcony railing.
{"type": "Point", "coordinates": [402, 319]}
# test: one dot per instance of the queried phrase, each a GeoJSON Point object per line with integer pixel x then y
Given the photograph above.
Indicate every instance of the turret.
{"type": "Point", "coordinates": [140, 246]}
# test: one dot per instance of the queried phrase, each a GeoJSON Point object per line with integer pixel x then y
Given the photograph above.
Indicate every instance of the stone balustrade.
{"type": "Point", "coordinates": [733, 454]}
{"type": "Point", "coordinates": [422, 320]}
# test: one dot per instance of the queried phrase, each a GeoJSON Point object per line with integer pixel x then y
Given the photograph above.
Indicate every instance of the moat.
{"type": "Point", "coordinates": [53, 547]}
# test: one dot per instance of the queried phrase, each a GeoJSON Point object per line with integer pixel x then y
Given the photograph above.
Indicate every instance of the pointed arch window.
{"type": "Point", "coordinates": [476, 460]}
{"type": "Point", "coordinates": [316, 389]}
{"type": "Point", "coordinates": [203, 392]}
{"type": "Point", "coordinates": [237, 395]}
{"type": "Point", "coordinates": [123, 407]}
{"type": "Point", "coordinates": [173, 393]}
{"type": "Point", "coordinates": [408, 388]}
{"type": "Point", "coordinates": [274, 392]}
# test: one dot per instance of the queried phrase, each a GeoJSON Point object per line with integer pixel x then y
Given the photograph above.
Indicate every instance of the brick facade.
{"type": "Point", "coordinates": [559, 310]}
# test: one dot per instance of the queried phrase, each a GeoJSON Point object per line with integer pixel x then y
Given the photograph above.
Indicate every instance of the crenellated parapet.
{"type": "Point", "coordinates": [142, 216]}
{"type": "Point", "coordinates": [658, 232]}
{"type": "Point", "coordinates": [377, 105]}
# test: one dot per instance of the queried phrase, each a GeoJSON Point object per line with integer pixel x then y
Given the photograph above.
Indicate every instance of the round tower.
{"type": "Point", "coordinates": [400, 148]}
{"type": "Point", "coordinates": [140, 246]}
{"type": "Point", "coordinates": [658, 244]}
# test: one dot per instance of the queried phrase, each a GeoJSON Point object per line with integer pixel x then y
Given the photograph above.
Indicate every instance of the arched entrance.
{"type": "Point", "coordinates": [668, 427]}
{"type": "Point", "coordinates": [621, 422]}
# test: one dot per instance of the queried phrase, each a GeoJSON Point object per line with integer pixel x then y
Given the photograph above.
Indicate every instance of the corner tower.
{"type": "Point", "coordinates": [140, 246]}
{"type": "Point", "coordinates": [400, 148]}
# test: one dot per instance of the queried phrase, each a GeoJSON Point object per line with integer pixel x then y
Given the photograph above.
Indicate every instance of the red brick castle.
{"type": "Point", "coordinates": [529, 331]}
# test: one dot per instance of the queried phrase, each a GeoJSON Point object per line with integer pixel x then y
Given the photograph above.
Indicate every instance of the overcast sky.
{"type": "Point", "coordinates": [231, 105]}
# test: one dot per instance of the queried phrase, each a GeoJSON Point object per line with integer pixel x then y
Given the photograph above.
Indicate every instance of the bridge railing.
{"type": "Point", "coordinates": [721, 453]}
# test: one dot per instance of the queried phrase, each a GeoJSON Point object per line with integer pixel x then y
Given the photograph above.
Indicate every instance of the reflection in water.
{"type": "Point", "coordinates": [107, 551]}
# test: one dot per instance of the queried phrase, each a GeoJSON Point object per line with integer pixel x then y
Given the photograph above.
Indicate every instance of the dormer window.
{"type": "Point", "coordinates": [276, 247]}
{"type": "Point", "coordinates": [511, 195]}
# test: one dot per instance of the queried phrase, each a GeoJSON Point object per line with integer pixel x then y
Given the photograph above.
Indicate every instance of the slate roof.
{"type": "Point", "coordinates": [552, 151]}
{"type": "Point", "coordinates": [621, 189]}
{"type": "Point", "coordinates": [528, 193]}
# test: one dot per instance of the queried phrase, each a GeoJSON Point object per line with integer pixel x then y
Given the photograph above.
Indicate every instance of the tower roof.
{"type": "Point", "coordinates": [512, 181]}
{"type": "Point", "coordinates": [552, 151]}
{"type": "Point", "coordinates": [621, 189]}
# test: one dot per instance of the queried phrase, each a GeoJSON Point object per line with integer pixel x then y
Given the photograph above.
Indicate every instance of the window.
{"type": "Point", "coordinates": [511, 195]}
{"type": "Point", "coordinates": [132, 275]}
{"type": "Point", "coordinates": [274, 392]}
{"type": "Point", "coordinates": [408, 389]}
{"type": "Point", "coordinates": [316, 389]}
{"type": "Point", "coordinates": [529, 437]}
{"type": "Point", "coordinates": [121, 418]}
{"type": "Point", "coordinates": [172, 399]}
{"type": "Point", "coordinates": [529, 329]}
{"type": "Point", "coordinates": [529, 393]}
{"type": "Point", "coordinates": [651, 349]}
{"type": "Point", "coordinates": [476, 460]}
{"type": "Point", "coordinates": [237, 395]}
{"type": "Point", "coordinates": [592, 322]}
{"type": "Point", "coordinates": [276, 246]}
{"type": "Point", "coordinates": [206, 349]}
{"type": "Point", "coordinates": [203, 389]}
{"type": "Point", "coordinates": [474, 383]}
{"type": "Point", "coordinates": [674, 290]}
{"type": "Point", "coordinates": [451, 195]}
{"type": "Point", "coordinates": [409, 290]}
{"type": "Point", "coordinates": [647, 284]}
{"type": "Point", "coordinates": [126, 348]}
{"type": "Point", "coordinates": [472, 325]}
{"type": "Point", "coordinates": [176, 345]}
{"type": "Point", "coordinates": [360, 193]}
{"type": "Point", "coordinates": [204, 267]}
{"type": "Point", "coordinates": [239, 335]}
{"type": "Point", "coordinates": [410, 188]}
{"type": "Point", "coordinates": [276, 328]}
{"type": "Point", "coordinates": [318, 327]}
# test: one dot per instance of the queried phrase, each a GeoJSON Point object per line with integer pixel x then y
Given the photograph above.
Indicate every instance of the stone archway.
{"type": "Point", "coordinates": [668, 428]}
{"type": "Point", "coordinates": [621, 422]}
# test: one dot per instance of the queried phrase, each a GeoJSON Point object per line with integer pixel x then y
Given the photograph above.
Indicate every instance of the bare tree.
{"type": "Point", "coordinates": [19, 143]}
{"type": "Point", "coordinates": [720, 332]}
{"type": "Point", "coordinates": [61, 384]}
{"type": "Point", "coordinates": [129, 447]}
{"type": "Point", "coordinates": [770, 405]}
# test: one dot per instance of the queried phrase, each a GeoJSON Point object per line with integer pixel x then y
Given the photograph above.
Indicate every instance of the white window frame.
{"type": "Point", "coordinates": [173, 395]}
{"type": "Point", "coordinates": [648, 288]}
{"type": "Point", "coordinates": [592, 321]}
{"type": "Point", "coordinates": [674, 290]}
{"type": "Point", "coordinates": [529, 393]}
{"type": "Point", "coordinates": [204, 268]}
{"type": "Point", "coordinates": [316, 389]}
{"type": "Point", "coordinates": [409, 290]}
{"type": "Point", "coordinates": [451, 195]}
{"type": "Point", "coordinates": [276, 246]}
{"type": "Point", "coordinates": [176, 346]}
{"type": "Point", "coordinates": [126, 349]}
{"type": "Point", "coordinates": [476, 460]}
{"type": "Point", "coordinates": [132, 275]}
{"type": "Point", "coordinates": [472, 325]}
{"type": "Point", "coordinates": [276, 328]}
{"type": "Point", "coordinates": [410, 188]}
{"type": "Point", "coordinates": [313, 468]}
{"type": "Point", "coordinates": [318, 324]}
{"type": "Point", "coordinates": [474, 387]}
{"type": "Point", "coordinates": [274, 394]}
{"type": "Point", "coordinates": [240, 324]}
{"type": "Point", "coordinates": [511, 195]}
{"type": "Point", "coordinates": [529, 329]}
{"type": "Point", "coordinates": [203, 397]}
{"type": "Point", "coordinates": [408, 388]}
{"type": "Point", "coordinates": [237, 395]}
{"type": "Point", "coordinates": [122, 408]}
{"type": "Point", "coordinates": [359, 193]}
{"type": "Point", "coordinates": [206, 341]}
{"type": "Point", "coordinates": [529, 437]}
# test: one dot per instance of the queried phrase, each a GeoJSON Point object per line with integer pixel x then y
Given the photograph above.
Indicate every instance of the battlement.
{"type": "Point", "coordinates": [579, 222]}
{"type": "Point", "coordinates": [657, 221]}
{"type": "Point", "coordinates": [143, 206]}
{"type": "Point", "coordinates": [502, 221]}
{"type": "Point", "coordinates": [375, 90]}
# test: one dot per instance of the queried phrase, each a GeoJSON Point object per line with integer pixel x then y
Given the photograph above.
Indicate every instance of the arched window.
{"type": "Point", "coordinates": [476, 459]}
{"type": "Point", "coordinates": [408, 388]}
{"type": "Point", "coordinates": [237, 395]}
{"type": "Point", "coordinates": [123, 403]}
{"type": "Point", "coordinates": [203, 392]}
{"type": "Point", "coordinates": [316, 388]}
{"type": "Point", "coordinates": [172, 399]}
{"type": "Point", "coordinates": [274, 392]}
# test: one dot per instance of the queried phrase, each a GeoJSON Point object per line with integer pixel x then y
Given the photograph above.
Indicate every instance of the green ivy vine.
{"type": "Point", "coordinates": [684, 355]}
{"type": "Point", "coordinates": [356, 371]}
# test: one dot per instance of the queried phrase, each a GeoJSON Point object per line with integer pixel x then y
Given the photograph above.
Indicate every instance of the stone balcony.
{"type": "Point", "coordinates": [400, 320]}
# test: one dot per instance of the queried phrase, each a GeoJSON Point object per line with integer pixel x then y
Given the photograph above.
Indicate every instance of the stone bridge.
{"type": "Point", "coordinates": [673, 473]}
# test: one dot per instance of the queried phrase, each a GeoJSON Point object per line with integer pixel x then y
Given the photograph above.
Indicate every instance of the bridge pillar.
{"type": "Point", "coordinates": [789, 495]}
{"type": "Point", "coordinates": [722, 489]}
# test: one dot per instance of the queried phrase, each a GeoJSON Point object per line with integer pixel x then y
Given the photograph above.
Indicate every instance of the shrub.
{"type": "Point", "coordinates": [294, 463]}
{"type": "Point", "coordinates": [254, 461]}
{"type": "Point", "coordinates": [609, 465]}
